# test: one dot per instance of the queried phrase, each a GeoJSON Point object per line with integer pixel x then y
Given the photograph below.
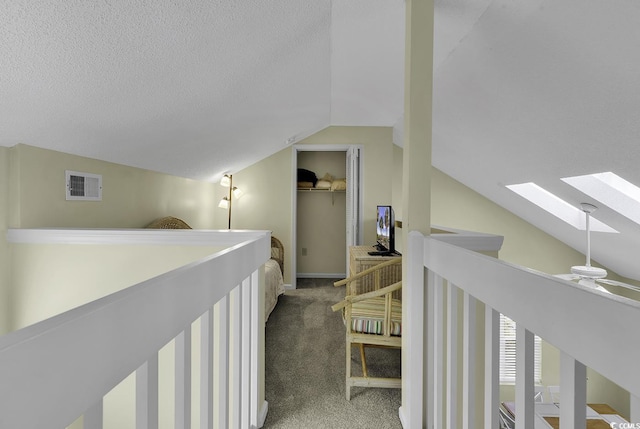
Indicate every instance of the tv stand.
{"type": "Point", "coordinates": [360, 260]}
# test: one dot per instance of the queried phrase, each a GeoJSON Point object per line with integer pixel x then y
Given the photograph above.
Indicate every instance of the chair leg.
{"type": "Point", "coordinates": [363, 361]}
{"type": "Point", "coordinates": [348, 373]}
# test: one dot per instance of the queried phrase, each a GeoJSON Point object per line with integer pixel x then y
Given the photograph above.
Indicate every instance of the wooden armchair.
{"type": "Point", "coordinates": [372, 319]}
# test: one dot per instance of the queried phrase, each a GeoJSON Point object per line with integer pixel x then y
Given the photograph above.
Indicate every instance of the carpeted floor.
{"type": "Point", "coordinates": [305, 364]}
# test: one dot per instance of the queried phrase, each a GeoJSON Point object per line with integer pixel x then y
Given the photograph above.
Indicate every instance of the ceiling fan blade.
{"type": "Point", "coordinates": [567, 276]}
{"type": "Point", "coordinates": [620, 284]}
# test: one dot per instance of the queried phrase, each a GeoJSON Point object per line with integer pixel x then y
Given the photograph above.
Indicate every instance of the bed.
{"type": "Point", "coordinates": [273, 268]}
{"type": "Point", "coordinates": [273, 277]}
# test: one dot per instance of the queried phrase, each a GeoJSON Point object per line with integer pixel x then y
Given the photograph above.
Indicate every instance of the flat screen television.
{"type": "Point", "coordinates": [385, 229]}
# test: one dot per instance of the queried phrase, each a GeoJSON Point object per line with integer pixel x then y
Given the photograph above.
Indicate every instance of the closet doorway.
{"type": "Point", "coordinates": [326, 216]}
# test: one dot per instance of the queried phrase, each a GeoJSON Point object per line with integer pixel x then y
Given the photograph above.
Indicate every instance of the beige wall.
{"type": "Point", "coordinates": [321, 218]}
{"type": "Point", "coordinates": [131, 197]}
{"type": "Point", "coordinates": [268, 185]}
{"type": "Point", "coordinates": [5, 307]}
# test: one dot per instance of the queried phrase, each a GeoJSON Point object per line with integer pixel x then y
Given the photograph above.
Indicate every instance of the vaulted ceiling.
{"type": "Point", "coordinates": [524, 90]}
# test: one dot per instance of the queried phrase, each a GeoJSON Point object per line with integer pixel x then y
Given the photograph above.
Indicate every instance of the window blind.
{"type": "Point", "coordinates": [508, 353]}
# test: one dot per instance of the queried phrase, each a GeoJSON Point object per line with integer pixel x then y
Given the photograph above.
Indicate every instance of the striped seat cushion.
{"type": "Point", "coordinates": [367, 316]}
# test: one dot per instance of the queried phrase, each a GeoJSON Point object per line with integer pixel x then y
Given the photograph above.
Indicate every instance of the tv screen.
{"type": "Point", "coordinates": [385, 229]}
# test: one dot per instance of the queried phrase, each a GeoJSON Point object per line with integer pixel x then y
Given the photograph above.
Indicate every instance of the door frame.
{"type": "Point", "coordinates": [294, 195]}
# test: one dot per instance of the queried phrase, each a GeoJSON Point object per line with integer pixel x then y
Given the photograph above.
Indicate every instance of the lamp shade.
{"type": "Point", "coordinates": [225, 181]}
{"type": "Point", "coordinates": [224, 203]}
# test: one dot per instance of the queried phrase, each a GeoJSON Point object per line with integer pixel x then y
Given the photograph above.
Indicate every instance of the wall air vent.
{"type": "Point", "coordinates": [83, 186]}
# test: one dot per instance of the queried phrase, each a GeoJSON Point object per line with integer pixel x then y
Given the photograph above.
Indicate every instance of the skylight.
{"type": "Point", "coordinates": [558, 207]}
{"type": "Point", "coordinates": [612, 191]}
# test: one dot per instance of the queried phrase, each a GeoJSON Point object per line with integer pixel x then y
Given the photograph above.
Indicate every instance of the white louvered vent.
{"type": "Point", "coordinates": [83, 186]}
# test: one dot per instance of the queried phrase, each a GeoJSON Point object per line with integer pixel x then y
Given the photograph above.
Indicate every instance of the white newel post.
{"type": "Point", "coordinates": [573, 392]}
{"type": "Point", "coordinates": [413, 309]}
{"type": "Point", "coordinates": [524, 378]}
{"type": "Point", "coordinates": [245, 357]}
{"type": "Point", "coordinates": [492, 368]}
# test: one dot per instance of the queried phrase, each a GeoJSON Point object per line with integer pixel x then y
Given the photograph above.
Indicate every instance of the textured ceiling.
{"type": "Point", "coordinates": [524, 90]}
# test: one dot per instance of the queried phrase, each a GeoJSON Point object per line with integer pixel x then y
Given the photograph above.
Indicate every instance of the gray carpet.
{"type": "Point", "coordinates": [305, 364]}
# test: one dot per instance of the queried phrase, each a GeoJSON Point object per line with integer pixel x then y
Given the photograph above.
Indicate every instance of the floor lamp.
{"type": "Point", "coordinates": [225, 202]}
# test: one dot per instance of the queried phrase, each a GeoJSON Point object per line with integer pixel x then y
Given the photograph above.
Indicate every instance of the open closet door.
{"type": "Point", "coordinates": [353, 199]}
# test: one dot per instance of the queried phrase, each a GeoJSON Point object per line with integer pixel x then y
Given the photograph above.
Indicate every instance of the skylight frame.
{"type": "Point", "coordinates": [611, 190]}
{"type": "Point", "coordinates": [558, 207]}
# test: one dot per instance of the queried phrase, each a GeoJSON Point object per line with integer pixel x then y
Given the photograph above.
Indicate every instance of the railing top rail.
{"type": "Point", "coordinates": [55, 369]}
{"type": "Point", "coordinates": [594, 327]}
{"type": "Point", "coordinates": [207, 237]}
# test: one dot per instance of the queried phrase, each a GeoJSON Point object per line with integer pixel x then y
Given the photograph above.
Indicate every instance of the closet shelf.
{"type": "Point", "coordinates": [319, 191]}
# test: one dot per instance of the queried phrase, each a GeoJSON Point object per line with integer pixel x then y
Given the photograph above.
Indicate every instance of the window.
{"type": "Point", "coordinates": [508, 353]}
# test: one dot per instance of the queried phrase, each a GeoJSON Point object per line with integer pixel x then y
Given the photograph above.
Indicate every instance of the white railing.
{"type": "Point", "coordinates": [56, 370]}
{"type": "Point", "coordinates": [590, 328]}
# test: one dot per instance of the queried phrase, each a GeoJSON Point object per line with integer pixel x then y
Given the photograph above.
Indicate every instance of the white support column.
{"type": "Point", "coordinates": [245, 357]}
{"type": "Point", "coordinates": [147, 394]}
{"type": "Point", "coordinates": [438, 352]}
{"type": "Point", "coordinates": [573, 392]}
{"type": "Point", "coordinates": [469, 362]}
{"type": "Point", "coordinates": [236, 357]}
{"type": "Point", "coordinates": [183, 379]}
{"type": "Point", "coordinates": [492, 368]}
{"type": "Point", "coordinates": [413, 335]}
{"type": "Point", "coordinates": [524, 378]}
{"type": "Point", "coordinates": [93, 417]}
{"type": "Point", "coordinates": [452, 354]}
{"type": "Point", "coordinates": [206, 369]}
{"type": "Point", "coordinates": [221, 385]}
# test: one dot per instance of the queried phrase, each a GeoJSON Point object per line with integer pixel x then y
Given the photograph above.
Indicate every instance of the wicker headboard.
{"type": "Point", "coordinates": [277, 252]}
{"type": "Point", "coordinates": [168, 222]}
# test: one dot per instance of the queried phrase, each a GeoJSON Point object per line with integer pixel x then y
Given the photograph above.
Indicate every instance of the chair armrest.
{"type": "Point", "coordinates": [373, 294]}
{"type": "Point", "coordinates": [368, 271]}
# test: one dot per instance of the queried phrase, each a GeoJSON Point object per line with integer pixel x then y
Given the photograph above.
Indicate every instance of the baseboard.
{"type": "Point", "coordinates": [321, 275]}
{"type": "Point", "coordinates": [263, 414]}
{"type": "Point", "coordinates": [288, 287]}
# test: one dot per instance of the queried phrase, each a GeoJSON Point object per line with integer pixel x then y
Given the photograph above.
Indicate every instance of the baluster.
{"type": "Point", "coordinates": [222, 362]}
{"type": "Point", "coordinates": [183, 379]}
{"type": "Point", "coordinates": [492, 367]}
{"type": "Point", "coordinates": [438, 358]}
{"type": "Point", "coordinates": [147, 394]}
{"type": "Point", "coordinates": [256, 323]}
{"type": "Point", "coordinates": [573, 392]}
{"type": "Point", "coordinates": [524, 378]}
{"type": "Point", "coordinates": [236, 353]}
{"type": "Point", "coordinates": [93, 417]}
{"type": "Point", "coordinates": [469, 362]}
{"type": "Point", "coordinates": [206, 368]}
{"type": "Point", "coordinates": [452, 354]}
{"type": "Point", "coordinates": [245, 357]}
